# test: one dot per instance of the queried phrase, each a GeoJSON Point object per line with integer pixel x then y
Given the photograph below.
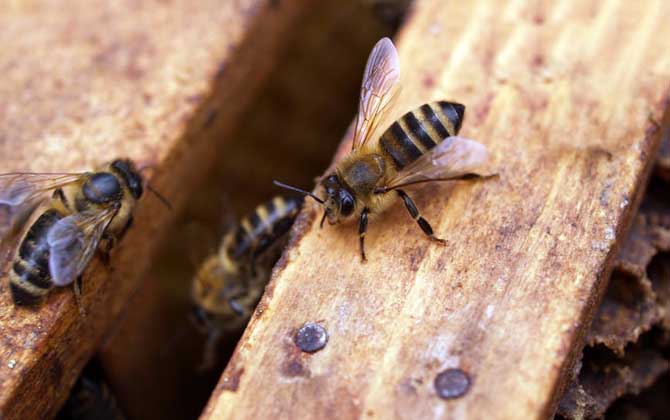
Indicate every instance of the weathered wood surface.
{"type": "Point", "coordinates": [159, 82]}
{"type": "Point", "coordinates": [561, 94]}
{"type": "Point", "coordinates": [323, 54]}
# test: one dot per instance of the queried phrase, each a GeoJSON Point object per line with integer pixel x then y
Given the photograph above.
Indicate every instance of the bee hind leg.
{"type": "Point", "coordinates": [362, 228]}
{"type": "Point", "coordinates": [423, 223]}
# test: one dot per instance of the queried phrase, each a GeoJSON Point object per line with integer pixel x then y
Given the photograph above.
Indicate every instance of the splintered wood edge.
{"type": "Point", "coordinates": [320, 275]}
{"type": "Point", "coordinates": [43, 351]}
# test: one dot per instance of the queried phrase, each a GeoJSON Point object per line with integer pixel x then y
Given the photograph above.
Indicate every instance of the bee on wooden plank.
{"type": "Point", "coordinates": [81, 213]}
{"type": "Point", "coordinates": [421, 146]}
{"type": "Point", "coordinates": [230, 283]}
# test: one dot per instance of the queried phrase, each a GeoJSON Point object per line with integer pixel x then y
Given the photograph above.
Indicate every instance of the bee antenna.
{"type": "Point", "coordinates": [288, 187]}
{"type": "Point", "coordinates": [160, 197]}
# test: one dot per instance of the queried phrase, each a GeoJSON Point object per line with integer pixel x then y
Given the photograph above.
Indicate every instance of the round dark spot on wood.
{"type": "Point", "coordinates": [295, 368]}
{"type": "Point", "coordinates": [452, 383]}
{"type": "Point", "coordinates": [311, 337]}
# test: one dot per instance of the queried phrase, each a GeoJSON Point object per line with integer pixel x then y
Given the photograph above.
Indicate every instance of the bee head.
{"type": "Point", "coordinates": [339, 203]}
{"type": "Point", "coordinates": [214, 290]}
{"type": "Point", "coordinates": [125, 169]}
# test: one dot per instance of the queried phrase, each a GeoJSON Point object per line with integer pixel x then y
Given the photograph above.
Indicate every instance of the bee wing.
{"type": "Point", "coordinates": [11, 219]}
{"type": "Point", "coordinates": [72, 242]}
{"type": "Point", "coordinates": [21, 193]}
{"type": "Point", "coordinates": [452, 158]}
{"type": "Point", "coordinates": [381, 76]}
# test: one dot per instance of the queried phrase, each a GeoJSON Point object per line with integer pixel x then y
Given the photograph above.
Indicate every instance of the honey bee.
{"type": "Point", "coordinates": [84, 213]}
{"type": "Point", "coordinates": [91, 398]}
{"type": "Point", "coordinates": [419, 147]}
{"type": "Point", "coordinates": [230, 283]}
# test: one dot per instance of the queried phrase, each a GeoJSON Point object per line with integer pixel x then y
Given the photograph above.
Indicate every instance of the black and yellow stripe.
{"type": "Point", "coordinates": [263, 226]}
{"type": "Point", "coordinates": [420, 130]}
{"type": "Point", "coordinates": [30, 279]}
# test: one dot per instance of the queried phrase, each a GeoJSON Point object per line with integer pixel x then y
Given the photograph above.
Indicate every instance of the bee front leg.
{"type": "Point", "coordinates": [210, 355]}
{"type": "Point", "coordinates": [362, 228]}
{"type": "Point", "coordinates": [77, 286]}
{"type": "Point", "coordinates": [414, 212]}
{"type": "Point", "coordinates": [127, 226]}
{"type": "Point", "coordinates": [236, 306]}
{"type": "Point", "coordinates": [105, 249]}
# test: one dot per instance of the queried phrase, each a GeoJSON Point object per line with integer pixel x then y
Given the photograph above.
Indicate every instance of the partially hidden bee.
{"type": "Point", "coordinates": [91, 399]}
{"type": "Point", "coordinates": [229, 284]}
{"type": "Point", "coordinates": [419, 147]}
{"type": "Point", "coordinates": [80, 213]}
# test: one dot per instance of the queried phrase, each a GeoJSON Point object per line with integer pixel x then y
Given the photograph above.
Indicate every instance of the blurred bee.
{"type": "Point", "coordinates": [419, 147]}
{"type": "Point", "coordinates": [390, 12]}
{"type": "Point", "coordinates": [84, 212]}
{"type": "Point", "coordinates": [230, 283]}
{"type": "Point", "coordinates": [91, 399]}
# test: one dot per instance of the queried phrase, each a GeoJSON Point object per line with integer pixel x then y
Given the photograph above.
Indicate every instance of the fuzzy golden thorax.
{"type": "Point", "coordinates": [351, 187]}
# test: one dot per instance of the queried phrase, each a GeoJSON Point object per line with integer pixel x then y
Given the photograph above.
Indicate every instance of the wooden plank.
{"type": "Point", "coordinates": [324, 53]}
{"type": "Point", "coordinates": [161, 83]}
{"type": "Point", "coordinates": [561, 94]}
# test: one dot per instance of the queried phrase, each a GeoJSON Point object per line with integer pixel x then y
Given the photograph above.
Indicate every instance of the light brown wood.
{"type": "Point", "coordinates": [273, 140]}
{"type": "Point", "coordinates": [561, 94]}
{"type": "Point", "coordinates": [160, 82]}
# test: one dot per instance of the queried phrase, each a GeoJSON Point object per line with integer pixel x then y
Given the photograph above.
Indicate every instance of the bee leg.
{"type": "Point", "coordinates": [252, 266]}
{"type": "Point", "coordinates": [414, 212]}
{"type": "Point", "coordinates": [123, 232]}
{"type": "Point", "coordinates": [236, 306]}
{"type": "Point", "coordinates": [210, 356]}
{"type": "Point", "coordinates": [59, 195]}
{"type": "Point", "coordinates": [105, 250]}
{"type": "Point", "coordinates": [362, 228]}
{"type": "Point", "coordinates": [77, 285]}
{"type": "Point", "coordinates": [323, 219]}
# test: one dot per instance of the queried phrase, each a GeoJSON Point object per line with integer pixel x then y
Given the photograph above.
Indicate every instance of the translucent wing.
{"type": "Point", "coordinates": [453, 158]}
{"type": "Point", "coordinates": [21, 193]}
{"type": "Point", "coordinates": [72, 242]}
{"type": "Point", "coordinates": [382, 74]}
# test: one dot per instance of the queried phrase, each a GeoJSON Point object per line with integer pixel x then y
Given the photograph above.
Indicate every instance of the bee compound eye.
{"type": "Point", "coordinates": [130, 175]}
{"type": "Point", "coordinates": [347, 204]}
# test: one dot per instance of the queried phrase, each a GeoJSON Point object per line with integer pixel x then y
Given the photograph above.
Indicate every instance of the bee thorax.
{"type": "Point", "coordinates": [362, 175]}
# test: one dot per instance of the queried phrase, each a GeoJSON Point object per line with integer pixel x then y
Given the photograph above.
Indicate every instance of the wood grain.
{"type": "Point", "coordinates": [323, 53]}
{"type": "Point", "coordinates": [160, 82]}
{"type": "Point", "coordinates": [561, 94]}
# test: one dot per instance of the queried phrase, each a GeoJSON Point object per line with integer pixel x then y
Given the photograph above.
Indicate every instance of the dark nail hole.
{"type": "Point", "coordinates": [311, 337]}
{"type": "Point", "coordinates": [452, 383]}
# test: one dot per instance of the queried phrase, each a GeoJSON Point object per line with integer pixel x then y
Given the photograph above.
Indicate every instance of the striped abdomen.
{"type": "Point", "coordinates": [420, 130]}
{"type": "Point", "coordinates": [267, 223]}
{"type": "Point", "coordinates": [29, 278]}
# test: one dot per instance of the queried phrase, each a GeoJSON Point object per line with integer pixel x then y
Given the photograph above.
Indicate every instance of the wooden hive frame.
{"type": "Point", "coordinates": [507, 302]}
{"type": "Point", "coordinates": [561, 94]}
{"type": "Point", "coordinates": [163, 84]}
